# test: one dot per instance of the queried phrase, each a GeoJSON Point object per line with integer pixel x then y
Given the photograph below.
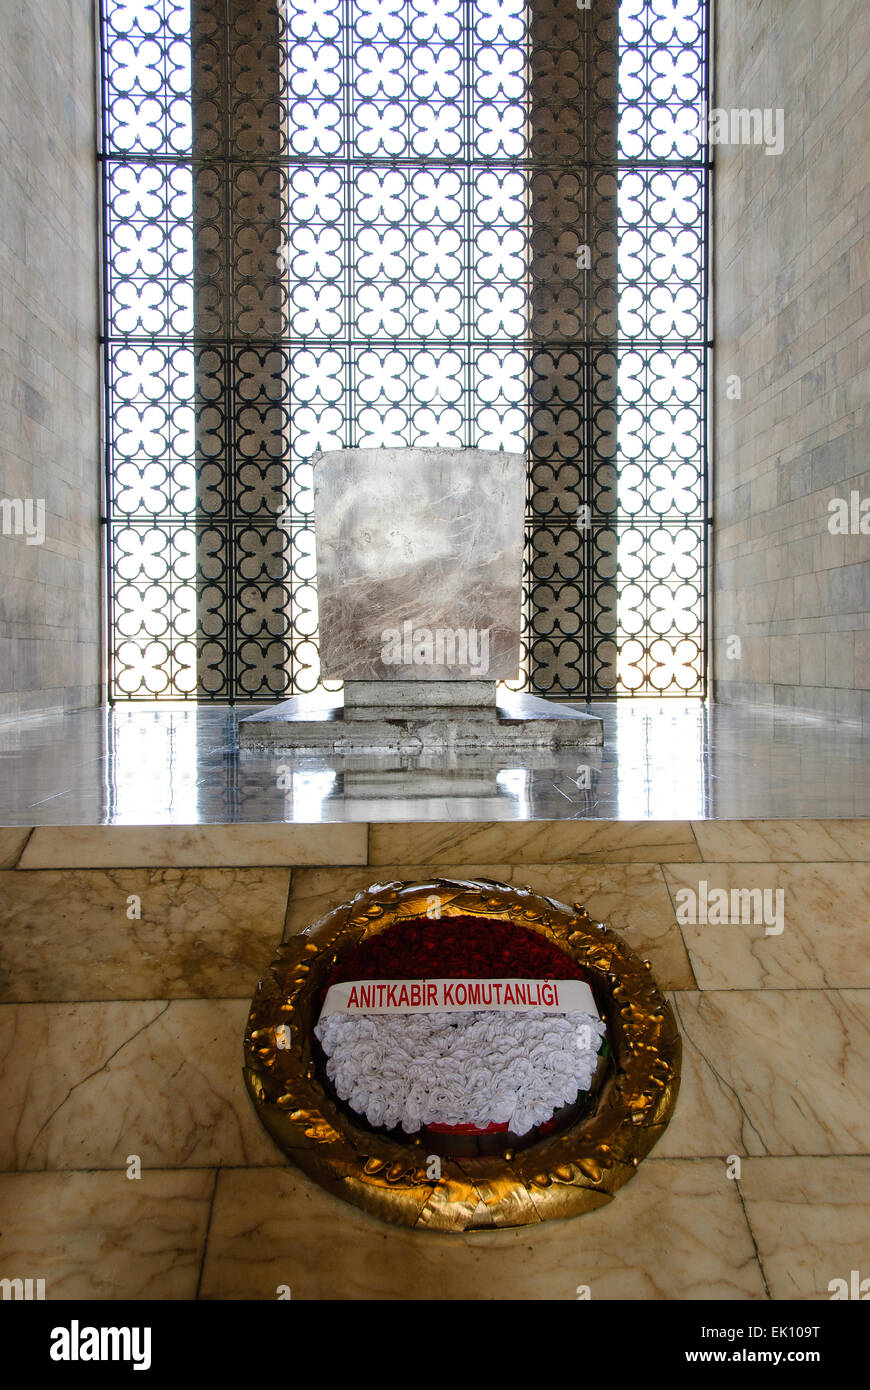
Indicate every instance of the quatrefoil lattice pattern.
{"type": "Point", "coordinates": [454, 223]}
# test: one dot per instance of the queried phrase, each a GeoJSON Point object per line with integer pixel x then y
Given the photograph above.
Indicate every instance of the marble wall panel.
{"type": "Point", "coordinates": [412, 543]}
{"type": "Point", "coordinates": [792, 303]}
{"type": "Point", "coordinates": [50, 607]}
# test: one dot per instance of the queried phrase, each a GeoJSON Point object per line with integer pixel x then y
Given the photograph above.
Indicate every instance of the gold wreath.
{"type": "Point", "coordinates": [565, 1174]}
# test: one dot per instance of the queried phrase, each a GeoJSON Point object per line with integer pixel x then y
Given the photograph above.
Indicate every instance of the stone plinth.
{"type": "Point", "coordinates": [419, 563]}
{"type": "Point", "coordinates": [419, 572]}
{"type": "Point", "coordinates": [319, 723]}
{"type": "Point", "coordinates": [418, 699]}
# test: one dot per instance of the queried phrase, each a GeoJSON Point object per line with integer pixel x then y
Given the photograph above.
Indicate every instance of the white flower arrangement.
{"type": "Point", "coordinates": [474, 1068]}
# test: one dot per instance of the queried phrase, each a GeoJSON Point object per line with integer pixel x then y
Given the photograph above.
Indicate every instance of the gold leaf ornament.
{"type": "Point", "coordinates": [565, 1174]}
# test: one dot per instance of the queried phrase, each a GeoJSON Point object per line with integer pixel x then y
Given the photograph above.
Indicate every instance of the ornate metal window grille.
{"type": "Point", "coordinates": [458, 222]}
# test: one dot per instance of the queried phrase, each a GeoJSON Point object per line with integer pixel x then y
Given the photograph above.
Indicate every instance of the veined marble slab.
{"type": "Point", "coordinates": [100, 1236]}
{"type": "Point", "coordinates": [821, 908]}
{"type": "Point", "coordinates": [531, 842]}
{"type": "Point", "coordinates": [811, 1221]}
{"type": "Point", "coordinates": [771, 1071]}
{"type": "Point", "coordinates": [12, 842]}
{"type": "Point", "coordinates": [631, 898]}
{"type": "Point", "coordinates": [419, 563]}
{"type": "Point", "coordinates": [781, 840]}
{"type": "Point", "coordinates": [274, 1227]}
{"type": "Point", "coordinates": [192, 846]}
{"type": "Point", "coordinates": [72, 934]}
{"type": "Point", "coordinates": [86, 1084]}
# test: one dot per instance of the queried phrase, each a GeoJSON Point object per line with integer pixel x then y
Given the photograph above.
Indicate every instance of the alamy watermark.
{"type": "Point", "coordinates": [744, 907]}
{"type": "Point", "coordinates": [743, 125]}
{"type": "Point", "coordinates": [853, 1288]}
{"type": "Point", "coordinates": [849, 516]}
{"type": "Point", "coordinates": [23, 516]}
{"type": "Point", "coordinates": [77, 1343]}
{"type": "Point", "coordinates": [464, 647]}
{"type": "Point", "coordinates": [22, 1289]}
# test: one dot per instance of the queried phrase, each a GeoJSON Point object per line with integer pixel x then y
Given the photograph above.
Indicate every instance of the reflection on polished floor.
{"type": "Point", "coordinates": [158, 765]}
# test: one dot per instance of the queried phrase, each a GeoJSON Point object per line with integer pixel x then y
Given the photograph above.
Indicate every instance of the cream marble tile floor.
{"type": "Point", "coordinates": [121, 1036]}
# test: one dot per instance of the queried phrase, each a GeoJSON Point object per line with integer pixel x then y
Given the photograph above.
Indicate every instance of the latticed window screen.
{"type": "Point", "coordinates": [339, 223]}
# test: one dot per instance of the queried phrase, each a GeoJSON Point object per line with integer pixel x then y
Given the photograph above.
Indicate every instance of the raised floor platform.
{"type": "Point", "coordinates": [161, 765]}
{"type": "Point", "coordinates": [512, 724]}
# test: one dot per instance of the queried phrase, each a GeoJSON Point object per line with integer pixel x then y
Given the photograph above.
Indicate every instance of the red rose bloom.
{"type": "Point", "coordinates": [471, 948]}
{"type": "Point", "coordinates": [465, 948]}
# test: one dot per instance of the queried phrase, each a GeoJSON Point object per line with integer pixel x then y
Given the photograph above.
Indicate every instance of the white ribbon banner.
{"type": "Point", "coordinates": [442, 996]}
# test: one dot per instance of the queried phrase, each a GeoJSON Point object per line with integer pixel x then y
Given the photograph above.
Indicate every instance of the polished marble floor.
{"type": "Point", "coordinates": [141, 765]}
{"type": "Point", "coordinates": [123, 1036]}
